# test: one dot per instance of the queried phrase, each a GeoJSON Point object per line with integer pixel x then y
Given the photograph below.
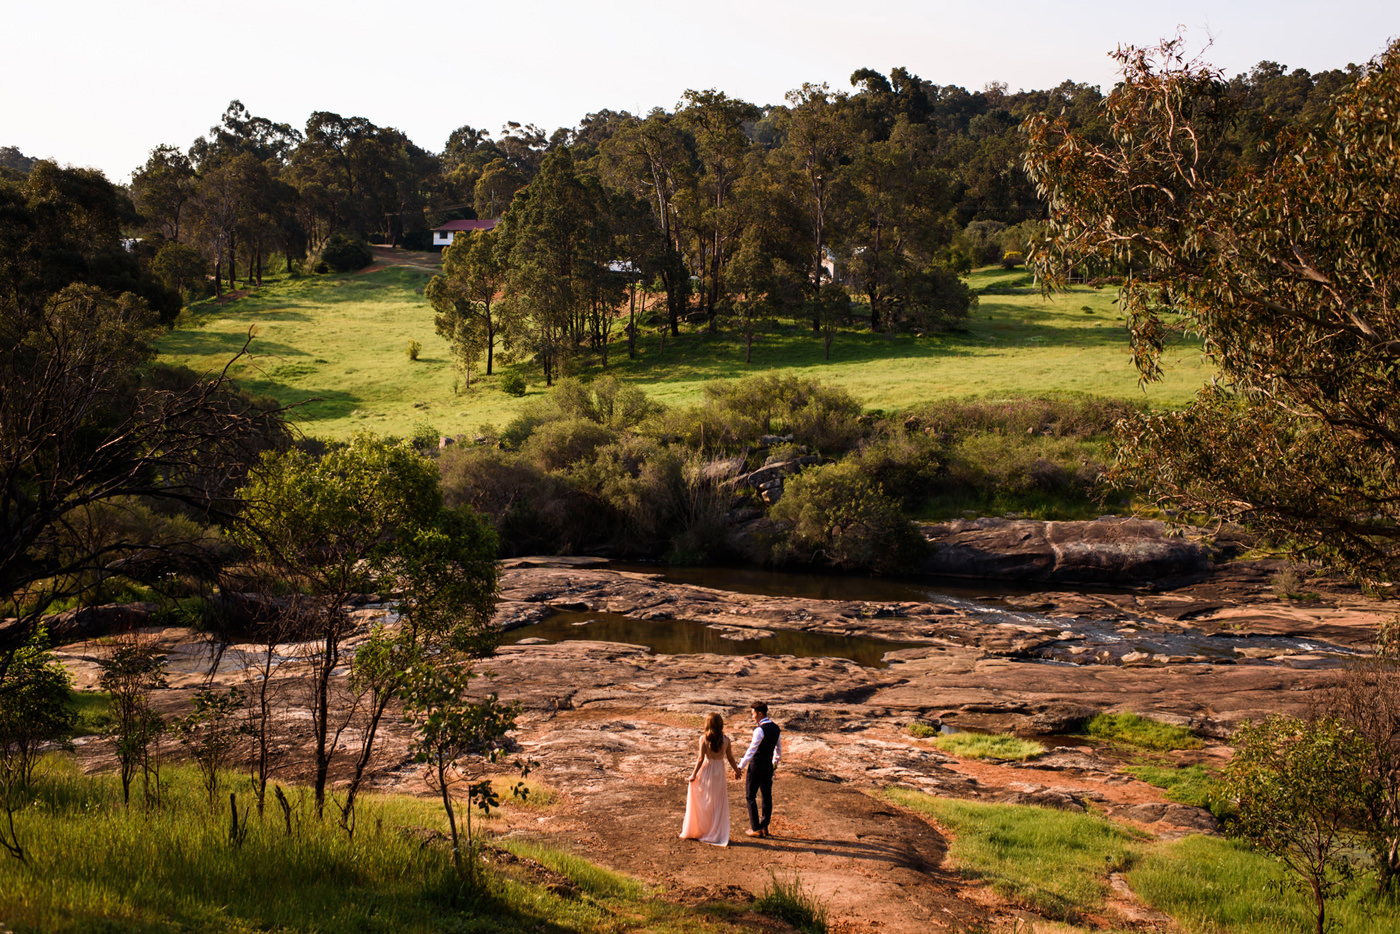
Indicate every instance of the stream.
{"type": "Point", "coordinates": [1058, 639]}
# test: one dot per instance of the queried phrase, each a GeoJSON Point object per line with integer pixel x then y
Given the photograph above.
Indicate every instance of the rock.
{"type": "Point", "coordinates": [1109, 550]}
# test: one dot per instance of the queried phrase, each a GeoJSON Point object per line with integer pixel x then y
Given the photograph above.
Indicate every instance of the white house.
{"type": "Point", "coordinates": [442, 236]}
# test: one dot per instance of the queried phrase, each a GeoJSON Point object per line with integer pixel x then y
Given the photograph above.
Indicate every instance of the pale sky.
{"type": "Point", "coordinates": [102, 82]}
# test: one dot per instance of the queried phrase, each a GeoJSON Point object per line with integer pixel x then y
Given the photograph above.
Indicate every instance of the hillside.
{"type": "Point", "coordinates": [336, 347]}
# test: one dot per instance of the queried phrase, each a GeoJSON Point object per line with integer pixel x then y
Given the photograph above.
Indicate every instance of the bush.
{"type": "Point", "coordinates": [414, 349]}
{"type": "Point", "coordinates": [565, 442]}
{"type": "Point", "coordinates": [343, 253]}
{"type": "Point", "coordinates": [735, 414]}
{"type": "Point", "coordinates": [838, 516]}
{"type": "Point", "coordinates": [1011, 259]}
{"type": "Point", "coordinates": [513, 384]}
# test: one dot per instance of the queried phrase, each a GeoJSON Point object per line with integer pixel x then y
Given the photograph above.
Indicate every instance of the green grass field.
{"type": "Point", "coordinates": [335, 346]}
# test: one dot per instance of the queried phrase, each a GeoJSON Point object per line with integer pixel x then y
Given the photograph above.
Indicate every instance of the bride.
{"type": "Point", "coordinates": [707, 796]}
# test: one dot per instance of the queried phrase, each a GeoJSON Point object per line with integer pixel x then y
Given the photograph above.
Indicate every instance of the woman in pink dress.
{"type": "Point", "coordinates": [707, 796]}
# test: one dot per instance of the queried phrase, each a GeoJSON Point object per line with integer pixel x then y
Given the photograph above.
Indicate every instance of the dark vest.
{"type": "Point", "coordinates": [764, 757]}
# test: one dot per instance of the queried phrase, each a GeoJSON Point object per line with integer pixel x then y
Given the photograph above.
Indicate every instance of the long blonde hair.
{"type": "Point", "coordinates": [714, 732]}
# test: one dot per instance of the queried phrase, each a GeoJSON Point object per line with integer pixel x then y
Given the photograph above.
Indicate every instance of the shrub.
{"type": "Point", "coordinates": [414, 349]}
{"type": "Point", "coordinates": [344, 253]}
{"type": "Point", "coordinates": [922, 730]}
{"type": "Point", "coordinates": [513, 384]}
{"type": "Point", "coordinates": [1011, 259]}
{"type": "Point", "coordinates": [735, 414]}
{"type": "Point", "coordinates": [565, 442]}
{"type": "Point", "coordinates": [840, 517]}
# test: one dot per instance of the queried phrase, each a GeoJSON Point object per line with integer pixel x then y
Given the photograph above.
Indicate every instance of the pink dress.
{"type": "Point", "coordinates": [707, 805]}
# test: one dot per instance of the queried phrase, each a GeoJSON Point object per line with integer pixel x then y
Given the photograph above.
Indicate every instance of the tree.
{"type": "Point", "coordinates": [86, 421]}
{"type": "Point", "coordinates": [450, 728]}
{"type": "Point", "coordinates": [33, 710]}
{"type": "Point", "coordinates": [1288, 270]}
{"type": "Point", "coordinates": [163, 189]}
{"type": "Point", "coordinates": [135, 670]}
{"type": "Point", "coordinates": [365, 517]}
{"type": "Point", "coordinates": [1298, 786]}
{"type": "Point", "coordinates": [211, 732]}
{"type": "Point", "coordinates": [1367, 699]}
{"type": "Point", "coordinates": [473, 273]}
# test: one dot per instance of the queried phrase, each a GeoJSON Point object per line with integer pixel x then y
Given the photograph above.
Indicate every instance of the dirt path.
{"type": "Point", "coordinates": [876, 867]}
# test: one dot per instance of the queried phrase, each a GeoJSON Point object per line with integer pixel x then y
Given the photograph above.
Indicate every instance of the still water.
{"type": "Point", "coordinates": [688, 637]}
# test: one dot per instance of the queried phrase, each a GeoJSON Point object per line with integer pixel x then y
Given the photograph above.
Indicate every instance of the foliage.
{"type": "Point", "coordinates": [1286, 267]}
{"type": "Point", "coordinates": [736, 414]}
{"type": "Point", "coordinates": [989, 746]}
{"type": "Point", "coordinates": [33, 710]}
{"type": "Point", "coordinates": [513, 384]}
{"type": "Point", "coordinates": [212, 732]}
{"type": "Point", "coordinates": [791, 904]}
{"type": "Point", "coordinates": [450, 728]}
{"type": "Point", "coordinates": [1132, 729]}
{"type": "Point", "coordinates": [133, 671]}
{"type": "Point", "coordinates": [414, 349]}
{"type": "Point", "coordinates": [344, 253]}
{"type": "Point", "coordinates": [1052, 861]}
{"type": "Point", "coordinates": [922, 730]}
{"type": "Point", "coordinates": [1297, 788]}
{"type": "Point", "coordinates": [840, 517]}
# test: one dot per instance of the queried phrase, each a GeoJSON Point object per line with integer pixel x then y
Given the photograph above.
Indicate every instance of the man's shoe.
{"type": "Point", "coordinates": [755, 833]}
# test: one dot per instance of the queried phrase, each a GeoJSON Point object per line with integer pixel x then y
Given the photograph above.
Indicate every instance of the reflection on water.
{"type": "Point", "coordinates": [688, 637]}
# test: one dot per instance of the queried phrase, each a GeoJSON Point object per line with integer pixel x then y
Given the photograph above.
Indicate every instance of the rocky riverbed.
{"type": "Point", "coordinates": [613, 725]}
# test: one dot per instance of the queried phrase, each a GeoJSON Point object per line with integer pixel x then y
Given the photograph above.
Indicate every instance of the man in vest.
{"type": "Point", "coordinates": [761, 759]}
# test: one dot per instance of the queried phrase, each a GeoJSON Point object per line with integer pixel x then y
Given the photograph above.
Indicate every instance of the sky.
{"type": "Point", "coordinates": [102, 82]}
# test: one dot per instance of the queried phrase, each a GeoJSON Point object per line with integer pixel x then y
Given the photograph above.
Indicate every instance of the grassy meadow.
{"type": "Point", "coordinates": [336, 347]}
{"type": "Point", "coordinates": [92, 865]}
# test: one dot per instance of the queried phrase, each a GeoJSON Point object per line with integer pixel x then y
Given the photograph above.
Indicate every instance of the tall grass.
{"type": "Point", "coordinates": [93, 865]}
{"type": "Point", "coordinates": [989, 746]}
{"type": "Point", "coordinates": [1055, 862]}
{"type": "Point", "coordinates": [1209, 884]}
{"type": "Point", "coordinates": [1131, 729]}
{"type": "Point", "coordinates": [790, 903]}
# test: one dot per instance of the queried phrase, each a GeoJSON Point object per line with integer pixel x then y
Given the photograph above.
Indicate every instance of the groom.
{"type": "Point", "coordinates": [761, 759]}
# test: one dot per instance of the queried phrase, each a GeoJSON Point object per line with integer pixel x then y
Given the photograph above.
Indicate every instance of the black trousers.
{"type": "Point", "coordinates": [758, 782]}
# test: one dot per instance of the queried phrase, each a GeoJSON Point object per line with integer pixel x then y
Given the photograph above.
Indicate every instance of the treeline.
{"type": "Point", "coordinates": [728, 207]}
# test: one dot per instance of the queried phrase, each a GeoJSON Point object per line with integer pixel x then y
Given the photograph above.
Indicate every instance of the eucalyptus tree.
{"type": "Point", "coordinates": [819, 141]}
{"type": "Point", "coordinates": [365, 517]}
{"type": "Point", "coordinates": [464, 297]}
{"type": "Point", "coordinates": [716, 123]}
{"type": "Point", "coordinates": [163, 190]}
{"type": "Point", "coordinates": [651, 159]}
{"type": "Point", "coordinates": [1288, 271]}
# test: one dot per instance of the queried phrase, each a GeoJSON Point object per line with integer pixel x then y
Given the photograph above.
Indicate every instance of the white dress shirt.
{"type": "Point", "coordinates": [754, 744]}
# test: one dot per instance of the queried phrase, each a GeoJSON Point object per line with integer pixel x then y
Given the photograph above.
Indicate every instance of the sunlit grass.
{"type": "Point", "coordinates": [1131, 729]}
{"type": "Point", "coordinates": [340, 340]}
{"type": "Point", "coordinates": [92, 864]}
{"type": "Point", "coordinates": [989, 746]}
{"type": "Point", "coordinates": [1056, 862]}
{"type": "Point", "coordinates": [1209, 884]}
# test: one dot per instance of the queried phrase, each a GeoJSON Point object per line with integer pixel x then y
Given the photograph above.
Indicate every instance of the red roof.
{"type": "Point", "coordinates": [455, 226]}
